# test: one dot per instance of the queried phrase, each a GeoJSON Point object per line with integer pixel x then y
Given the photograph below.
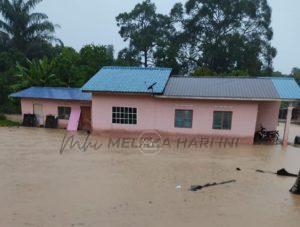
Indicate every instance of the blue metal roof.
{"type": "Point", "coordinates": [287, 88]}
{"type": "Point", "coordinates": [284, 88]}
{"type": "Point", "coordinates": [129, 80]}
{"type": "Point", "coordinates": [53, 93]}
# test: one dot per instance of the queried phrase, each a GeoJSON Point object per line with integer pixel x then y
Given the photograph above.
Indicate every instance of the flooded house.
{"type": "Point", "coordinates": [134, 99]}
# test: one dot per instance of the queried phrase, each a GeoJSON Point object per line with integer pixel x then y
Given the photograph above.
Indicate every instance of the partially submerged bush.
{"type": "Point", "coordinates": [2, 117]}
{"type": "Point", "coordinates": [4, 122]}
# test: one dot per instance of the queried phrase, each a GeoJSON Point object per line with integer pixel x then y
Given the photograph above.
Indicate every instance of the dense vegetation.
{"type": "Point", "coordinates": [7, 123]}
{"type": "Point", "coordinates": [201, 38]}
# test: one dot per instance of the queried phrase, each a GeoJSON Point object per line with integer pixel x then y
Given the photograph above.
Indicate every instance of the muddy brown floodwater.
{"type": "Point", "coordinates": [124, 187]}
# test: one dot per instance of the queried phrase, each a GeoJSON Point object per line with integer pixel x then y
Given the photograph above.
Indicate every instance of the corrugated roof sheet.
{"type": "Point", "coordinates": [53, 93]}
{"type": "Point", "coordinates": [287, 88]}
{"type": "Point", "coordinates": [181, 87]}
{"type": "Point", "coordinates": [129, 79]}
{"type": "Point", "coordinates": [235, 88]}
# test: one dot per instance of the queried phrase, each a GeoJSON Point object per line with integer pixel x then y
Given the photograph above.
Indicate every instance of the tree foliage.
{"type": "Point", "coordinates": [228, 35]}
{"type": "Point", "coordinates": [128, 57]}
{"type": "Point", "coordinates": [203, 71]}
{"type": "Point", "coordinates": [66, 67]}
{"type": "Point", "coordinates": [198, 38]}
{"type": "Point", "coordinates": [296, 74]}
{"type": "Point", "coordinates": [23, 29]}
{"type": "Point", "coordinates": [223, 36]}
{"type": "Point", "coordinates": [93, 57]}
{"type": "Point", "coordinates": [141, 28]}
{"type": "Point", "coordinates": [37, 73]}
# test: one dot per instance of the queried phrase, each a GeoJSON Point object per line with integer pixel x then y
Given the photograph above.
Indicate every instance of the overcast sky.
{"type": "Point", "coordinates": [93, 21]}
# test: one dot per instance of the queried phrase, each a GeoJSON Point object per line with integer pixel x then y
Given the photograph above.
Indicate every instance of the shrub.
{"type": "Point", "coordinates": [2, 117]}
{"type": "Point", "coordinates": [7, 123]}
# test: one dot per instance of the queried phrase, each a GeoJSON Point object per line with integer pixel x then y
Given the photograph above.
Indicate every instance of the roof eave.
{"type": "Point", "coordinates": [80, 100]}
{"type": "Point", "coordinates": [121, 92]}
{"type": "Point", "coordinates": [219, 98]}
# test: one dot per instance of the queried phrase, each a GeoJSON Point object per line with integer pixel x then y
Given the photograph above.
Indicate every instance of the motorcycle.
{"type": "Point", "coordinates": [267, 136]}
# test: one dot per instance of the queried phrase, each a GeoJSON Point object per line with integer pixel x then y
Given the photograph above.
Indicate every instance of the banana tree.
{"type": "Point", "coordinates": [37, 73]}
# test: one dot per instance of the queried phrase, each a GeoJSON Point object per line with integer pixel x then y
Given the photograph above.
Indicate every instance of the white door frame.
{"type": "Point", "coordinates": [39, 113]}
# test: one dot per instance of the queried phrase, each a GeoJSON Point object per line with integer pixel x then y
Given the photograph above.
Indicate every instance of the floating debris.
{"type": "Point", "coordinates": [296, 188]}
{"type": "Point", "coordinates": [297, 140]}
{"type": "Point", "coordinates": [195, 188]}
{"type": "Point", "coordinates": [178, 187]}
{"type": "Point", "coordinates": [238, 169]}
{"type": "Point", "coordinates": [281, 172]}
{"type": "Point", "coordinates": [261, 171]}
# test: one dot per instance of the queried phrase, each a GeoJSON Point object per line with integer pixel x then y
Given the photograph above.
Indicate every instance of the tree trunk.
{"type": "Point", "coordinates": [296, 188]}
{"type": "Point", "coordinates": [146, 58]}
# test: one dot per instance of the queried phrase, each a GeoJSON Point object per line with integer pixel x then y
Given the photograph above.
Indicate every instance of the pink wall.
{"type": "Point", "coordinates": [50, 107]}
{"type": "Point", "coordinates": [268, 114]}
{"type": "Point", "coordinates": [159, 114]}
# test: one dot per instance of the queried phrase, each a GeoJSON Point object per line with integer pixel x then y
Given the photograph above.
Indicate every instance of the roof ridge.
{"type": "Point", "coordinates": [53, 87]}
{"type": "Point", "coordinates": [136, 68]}
{"type": "Point", "coordinates": [283, 78]}
{"type": "Point", "coordinates": [231, 77]}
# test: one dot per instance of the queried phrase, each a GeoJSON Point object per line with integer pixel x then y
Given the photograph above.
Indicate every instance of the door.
{"type": "Point", "coordinates": [74, 118]}
{"type": "Point", "coordinates": [85, 122]}
{"type": "Point", "coordinates": [38, 111]}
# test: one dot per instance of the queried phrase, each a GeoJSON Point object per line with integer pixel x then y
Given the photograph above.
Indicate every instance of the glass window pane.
{"type": "Point", "coordinates": [188, 124]}
{"type": "Point", "coordinates": [222, 120]}
{"type": "Point", "coordinates": [217, 122]}
{"type": "Point", "coordinates": [64, 112]}
{"type": "Point", "coordinates": [124, 115]}
{"type": "Point", "coordinates": [188, 114]}
{"type": "Point", "coordinates": [178, 123]}
{"type": "Point", "coordinates": [227, 119]}
{"type": "Point", "coordinates": [183, 118]}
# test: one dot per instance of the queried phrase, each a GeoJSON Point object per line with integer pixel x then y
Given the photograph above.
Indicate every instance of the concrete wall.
{"type": "Point", "coordinates": [159, 114]}
{"type": "Point", "coordinates": [50, 107]}
{"type": "Point", "coordinates": [268, 114]}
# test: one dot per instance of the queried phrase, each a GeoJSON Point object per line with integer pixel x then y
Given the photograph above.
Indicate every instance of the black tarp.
{"type": "Point", "coordinates": [51, 122]}
{"type": "Point", "coordinates": [29, 120]}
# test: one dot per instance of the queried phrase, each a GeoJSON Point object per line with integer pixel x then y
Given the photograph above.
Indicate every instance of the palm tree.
{"type": "Point", "coordinates": [24, 27]}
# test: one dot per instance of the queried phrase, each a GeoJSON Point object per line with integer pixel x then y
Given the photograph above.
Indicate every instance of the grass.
{"type": "Point", "coordinates": [4, 122]}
